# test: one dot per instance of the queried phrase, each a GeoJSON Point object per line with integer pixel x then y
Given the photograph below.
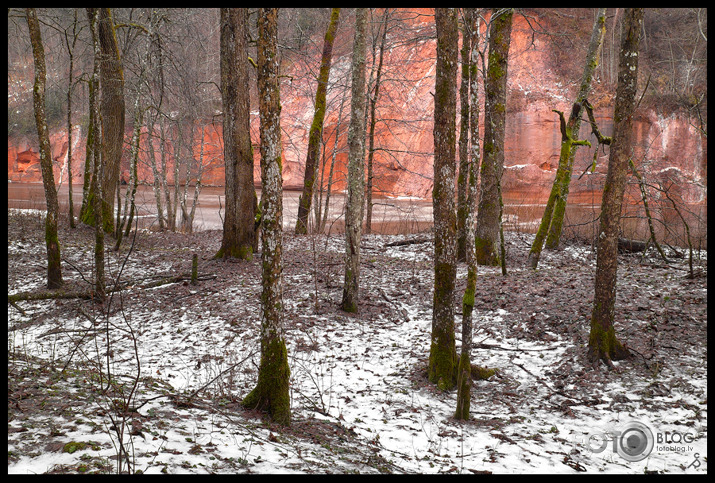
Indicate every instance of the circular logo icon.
{"type": "Point", "coordinates": [635, 442]}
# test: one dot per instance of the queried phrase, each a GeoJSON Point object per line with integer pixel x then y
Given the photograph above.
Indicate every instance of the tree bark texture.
{"type": "Point", "coordinates": [488, 218]}
{"type": "Point", "coordinates": [271, 393]}
{"type": "Point", "coordinates": [443, 355]}
{"type": "Point", "coordinates": [602, 343]}
{"type": "Point", "coordinates": [316, 128]}
{"type": "Point", "coordinates": [239, 225]}
{"type": "Point", "coordinates": [112, 108]}
{"type": "Point", "coordinates": [356, 167]}
{"type": "Point", "coordinates": [54, 268]}
{"type": "Point", "coordinates": [464, 160]}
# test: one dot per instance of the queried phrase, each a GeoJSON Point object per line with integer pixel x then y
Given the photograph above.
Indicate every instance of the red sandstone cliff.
{"type": "Point", "coordinates": [667, 147]}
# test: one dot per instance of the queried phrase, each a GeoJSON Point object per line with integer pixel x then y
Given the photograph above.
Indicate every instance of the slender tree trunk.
{"type": "Point", "coordinates": [464, 161]}
{"type": "Point", "coordinates": [488, 215]}
{"type": "Point", "coordinates": [239, 226]}
{"type": "Point", "coordinates": [592, 59]}
{"type": "Point", "coordinates": [156, 184]}
{"type": "Point", "coordinates": [70, 86]}
{"type": "Point", "coordinates": [443, 354]}
{"type": "Point", "coordinates": [464, 367]}
{"type": "Point", "coordinates": [271, 393]}
{"type": "Point", "coordinates": [644, 197]}
{"type": "Point", "coordinates": [373, 123]}
{"type": "Point", "coordinates": [54, 269]}
{"type": "Point", "coordinates": [603, 344]}
{"type": "Point", "coordinates": [333, 155]}
{"type": "Point", "coordinates": [97, 164]}
{"type": "Point", "coordinates": [356, 167]}
{"type": "Point", "coordinates": [316, 129]}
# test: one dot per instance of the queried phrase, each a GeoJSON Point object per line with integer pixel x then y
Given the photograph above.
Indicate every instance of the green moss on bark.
{"type": "Point", "coordinates": [464, 384]}
{"type": "Point", "coordinates": [271, 393]}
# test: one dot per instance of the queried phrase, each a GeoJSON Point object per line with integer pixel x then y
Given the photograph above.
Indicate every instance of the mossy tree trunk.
{"type": "Point", "coordinates": [489, 213]}
{"type": "Point", "coordinates": [356, 167]}
{"type": "Point", "coordinates": [443, 355]}
{"type": "Point", "coordinates": [271, 393]}
{"type": "Point", "coordinates": [316, 128]}
{"type": "Point", "coordinates": [54, 268]}
{"type": "Point", "coordinates": [563, 175]}
{"type": "Point", "coordinates": [603, 344]}
{"type": "Point", "coordinates": [592, 59]}
{"type": "Point", "coordinates": [239, 224]}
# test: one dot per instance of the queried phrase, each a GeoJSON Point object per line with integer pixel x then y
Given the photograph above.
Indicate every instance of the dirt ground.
{"type": "Point", "coordinates": [193, 350]}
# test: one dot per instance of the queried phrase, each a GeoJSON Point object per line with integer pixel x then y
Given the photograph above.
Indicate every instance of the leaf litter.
{"type": "Point", "coordinates": [360, 397]}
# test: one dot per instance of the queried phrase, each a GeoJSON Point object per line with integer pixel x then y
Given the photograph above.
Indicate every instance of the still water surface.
{"type": "Point", "coordinates": [522, 212]}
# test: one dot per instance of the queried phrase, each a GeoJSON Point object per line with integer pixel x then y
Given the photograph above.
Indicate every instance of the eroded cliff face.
{"type": "Point", "coordinates": [668, 148]}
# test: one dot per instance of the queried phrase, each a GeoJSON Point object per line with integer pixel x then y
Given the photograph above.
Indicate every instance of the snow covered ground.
{"type": "Point", "coordinates": [360, 398]}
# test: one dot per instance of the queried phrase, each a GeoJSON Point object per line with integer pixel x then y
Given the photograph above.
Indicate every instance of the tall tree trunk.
{"type": "Point", "coordinates": [70, 87]}
{"type": "Point", "coordinates": [356, 167]}
{"type": "Point", "coordinates": [112, 109]}
{"type": "Point", "coordinates": [97, 163]}
{"type": "Point", "coordinates": [603, 344]}
{"type": "Point", "coordinates": [463, 177]}
{"type": "Point", "coordinates": [563, 180]}
{"type": "Point", "coordinates": [54, 269]}
{"type": "Point", "coordinates": [488, 215]}
{"type": "Point", "coordinates": [316, 129]}
{"type": "Point", "coordinates": [443, 354]}
{"type": "Point", "coordinates": [239, 226]}
{"type": "Point", "coordinates": [373, 123]}
{"type": "Point", "coordinates": [271, 393]}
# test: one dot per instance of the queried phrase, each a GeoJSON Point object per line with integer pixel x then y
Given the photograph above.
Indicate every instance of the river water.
{"type": "Point", "coordinates": [522, 213]}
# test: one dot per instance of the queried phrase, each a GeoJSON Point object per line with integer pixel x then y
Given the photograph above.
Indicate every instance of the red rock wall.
{"type": "Point", "coordinates": [667, 148]}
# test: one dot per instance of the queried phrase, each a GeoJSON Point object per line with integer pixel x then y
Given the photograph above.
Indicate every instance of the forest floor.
{"type": "Point", "coordinates": [361, 401]}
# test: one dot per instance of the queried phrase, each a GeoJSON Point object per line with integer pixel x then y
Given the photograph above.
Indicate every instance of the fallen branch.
{"type": "Point", "coordinates": [414, 241]}
{"type": "Point", "coordinates": [88, 294]}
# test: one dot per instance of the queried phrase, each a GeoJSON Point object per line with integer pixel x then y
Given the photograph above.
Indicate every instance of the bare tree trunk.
{"type": "Point", "coordinates": [156, 185]}
{"type": "Point", "coordinates": [602, 344]}
{"type": "Point", "coordinates": [373, 122]}
{"type": "Point", "coordinates": [488, 215]}
{"type": "Point", "coordinates": [97, 164]}
{"type": "Point", "coordinates": [54, 269]}
{"type": "Point", "coordinates": [443, 354]}
{"type": "Point", "coordinates": [356, 167]}
{"type": "Point", "coordinates": [463, 177]}
{"type": "Point", "coordinates": [464, 367]}
{"type": "Point", "coordinates": [112, 114]}
{"type": "Point", "coordinates": [333, 155]}
{"type": "Point", "coordinates": [70, 87]}
{"type": "Point", "coordinates": [271, 393]}
{"type": "Point", "coordinates": [316, 128]}
{"type": "Point", "coordinates": [239, 227]}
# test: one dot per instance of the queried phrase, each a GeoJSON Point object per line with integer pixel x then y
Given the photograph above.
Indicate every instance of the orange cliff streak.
{"type": "Point", "coordinates": [670, 145]}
